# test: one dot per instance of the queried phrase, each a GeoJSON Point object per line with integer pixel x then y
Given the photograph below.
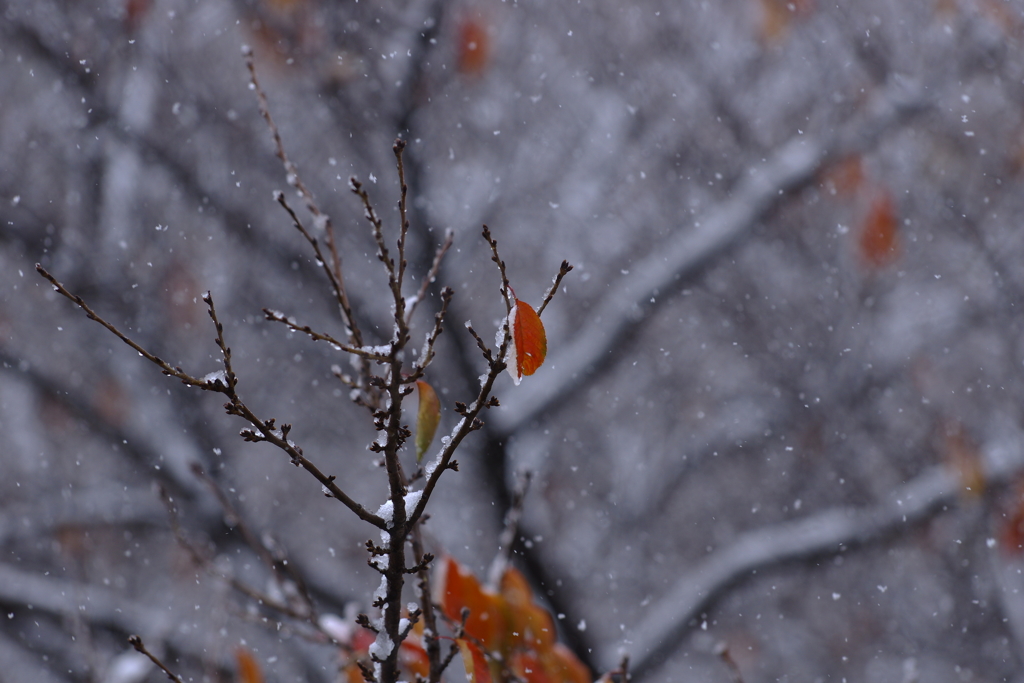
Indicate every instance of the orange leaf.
{"type": "Point", "coordinates": [565, 666]}
{"type": "Point", "coordinates": [474, 47]}
{"type": "Point", "coordinates": [456, 588]}
{"type": "Point", "coordinates": [413, 657]}
{"type": "Point", "coordinates": [248, 669]}
{"type": "Point", "coordinates": [529, 624]}
{"type": "Point", "coordinates": [879, 237]}
{"type": "Point", "coordinates": [528, 667]}
{"type": "Point", "coordinates": [477, 669]}
{"type": "Point", "coordinates": [428, 415]}
{"type": "Point", "coordinates": [529, 342]}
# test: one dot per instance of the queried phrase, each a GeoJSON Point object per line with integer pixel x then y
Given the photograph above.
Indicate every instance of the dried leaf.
{"type": "Point", "coordinates": [428, 416]}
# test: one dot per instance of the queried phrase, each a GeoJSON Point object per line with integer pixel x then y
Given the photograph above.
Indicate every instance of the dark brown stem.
{"type": "Point", "coordinates": [403, 228]}
{"type": "Point", "coordinates": [563, 270]}
{"type": "Point", "coordinates": [278, 317]}
{"type": "Point", "coordinates": [333, 273]}
{"type": "Point", "coordinates": [295, 180]}
{"type": "Point", "coordinates": [141, 647]}
{"type": "Point", "coordinates": [427, 353]}
{"type": "Point", "coordinates": [505, 288]}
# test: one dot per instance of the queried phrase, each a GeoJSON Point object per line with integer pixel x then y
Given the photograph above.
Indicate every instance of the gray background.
{"type": "Point", "coordinates": [746, 432]}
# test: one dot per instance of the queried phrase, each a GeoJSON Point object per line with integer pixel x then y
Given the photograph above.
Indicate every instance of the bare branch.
{"type": "Point", "coordinates": [165, 367]}
{"type": "Point", "coordinates": [480, 342]}
{"type": "Point", "coordinates": [333, 273]}
{"type": "Point", "coordinates": [235, 406]}
{"type": "Point", "coordinates": [470, 421]}
{"type": "Point", "coordinates": [291, 172]}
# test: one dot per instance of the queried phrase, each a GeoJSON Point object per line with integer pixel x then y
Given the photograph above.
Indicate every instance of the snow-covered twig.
{"type": "Point", "coordinates": [822, 533]}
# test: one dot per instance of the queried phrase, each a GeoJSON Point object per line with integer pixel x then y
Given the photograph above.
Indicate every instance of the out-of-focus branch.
{"type": "Point", "coordinates": [137, 643]}
{"type": "Point", "coordinates": [687, 252]}
{"type": "Point", "coordinates": [817, 534]}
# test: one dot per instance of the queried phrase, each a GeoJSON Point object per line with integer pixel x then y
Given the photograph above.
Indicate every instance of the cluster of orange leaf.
{"type": "Point", "coordinates": [506, 635]}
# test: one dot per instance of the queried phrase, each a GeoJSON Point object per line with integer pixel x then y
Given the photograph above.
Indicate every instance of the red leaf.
{"type": "Point", "coordinates": [455, 588]}
{"type": "Point", "coordinates": [529, 342]}
{"type": "Point", "coordinates": [531, 623]}
{"type": "Point", "coordinates": [477, 669]}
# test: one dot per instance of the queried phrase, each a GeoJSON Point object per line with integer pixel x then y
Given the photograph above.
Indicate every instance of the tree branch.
{"type": "Point", "coordinates": [822, 533]}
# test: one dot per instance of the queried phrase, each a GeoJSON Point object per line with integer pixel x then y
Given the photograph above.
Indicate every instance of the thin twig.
{"type": "Point", "coordinates": [563, 270]}
{"type": "Point", "coordinates": [265, 429]}
{"type": "Point", "coordinates": [279, 317]}
{"type": "Point", "coordinates": [403, 228]}
{"type": "Point", "coordinates": [165, 367]}
{"type": "Point", "coordinates": [722, 650]}
{"type": "Point", "coordinates": [412, 303]}
{"type": "Point", "coordinates": [278, 563]}
{"type": "Point", "coordinates": [333, 273]}
{"type": "Point", "coordinates": [292, 173]}
{"type": "Point", "coordinates": [427, 352]}
{"type": "Point", "coordinates": [505, 288]}
{"type": "Point", "coordinates": [479, 340]}
{"type": "Point", "coordinates": [197, 556]}
{"type": "Point", "coordinates": [470, 421]}
{"type": "Point", "coordinates": [141, 647]}
{"type": "Point", "coordinates": [511, 527]}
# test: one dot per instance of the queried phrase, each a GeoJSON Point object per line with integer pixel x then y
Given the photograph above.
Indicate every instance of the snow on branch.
{"type": "Point", "coordinates": [793, 165]}
{"type": "Point", "coordinates": [826, 532]}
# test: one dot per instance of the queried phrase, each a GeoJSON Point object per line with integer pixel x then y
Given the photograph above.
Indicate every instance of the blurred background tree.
{"type": "Point", "coordinates": [781, 407]}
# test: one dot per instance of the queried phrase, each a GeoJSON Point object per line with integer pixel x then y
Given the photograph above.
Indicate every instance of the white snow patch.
{"type": "Point", "coordinates": [335, 627]}
{"type": "Point", "coordinates": [412, 499]}
{"type": "Point", "coordinates": [387, 513]}
{"type": "Point", "coordinates": [218, 376]}
{"type": "Point", "coordinates": [381, 647]}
